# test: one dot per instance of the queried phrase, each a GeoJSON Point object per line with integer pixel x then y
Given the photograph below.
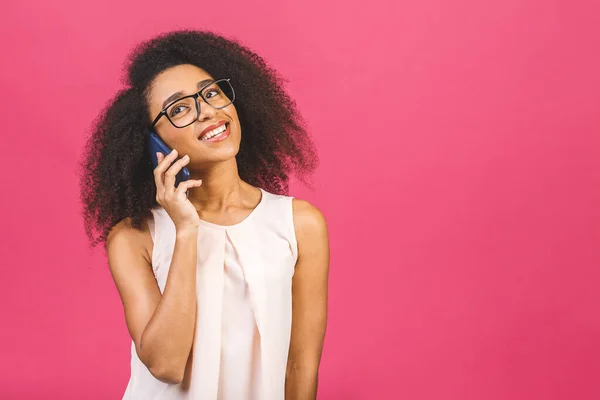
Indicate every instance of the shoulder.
{"type": "Point", "coordinates": [124, 237]}
{"type": "Point", "coordinates": [309, 221]}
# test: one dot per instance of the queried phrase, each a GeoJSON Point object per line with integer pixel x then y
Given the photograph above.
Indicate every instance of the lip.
{"type": "Point", "coordinates": [210, 128]}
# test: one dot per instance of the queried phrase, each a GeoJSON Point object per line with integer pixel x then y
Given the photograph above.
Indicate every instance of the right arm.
{"type": "Point", "coordinates": [161, 326]}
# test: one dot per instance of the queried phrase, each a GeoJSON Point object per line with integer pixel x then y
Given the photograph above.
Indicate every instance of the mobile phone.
{"type": "Point", "coordinates": [155, 145]}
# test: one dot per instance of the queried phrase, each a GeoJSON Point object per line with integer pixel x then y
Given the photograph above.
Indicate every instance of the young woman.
{"type": "Point", "coordinates": [223, 277]}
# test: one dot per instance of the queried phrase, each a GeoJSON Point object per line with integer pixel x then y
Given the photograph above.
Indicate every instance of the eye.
{"type": "Point", "coordinates": [178, 109]}
{"type": "Point", "coordinates": [212, 92]}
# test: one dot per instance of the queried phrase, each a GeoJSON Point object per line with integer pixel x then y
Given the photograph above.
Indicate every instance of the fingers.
{"type": "Point", "coordinates": [171, 173]}
{"type": "Point", "coordinates": [163, 164]}
{"type": "Point", "coordinates": [185, 186]}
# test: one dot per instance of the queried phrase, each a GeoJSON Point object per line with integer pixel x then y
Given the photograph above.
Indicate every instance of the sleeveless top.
{"type": "Point", "coordinates": [244, 306]}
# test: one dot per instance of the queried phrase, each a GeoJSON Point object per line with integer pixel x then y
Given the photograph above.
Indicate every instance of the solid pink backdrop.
{"type": "Point", "coordinates": [460, 172]}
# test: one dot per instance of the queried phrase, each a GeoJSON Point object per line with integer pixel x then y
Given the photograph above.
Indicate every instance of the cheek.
{"type": "Point", "coordinates": [170, 139]}
{"type": "Point", "coordinates": [233, 115]}
{"type": "Point", "coordinates": [235, 119]}
{"type": "Point", "coordinates": [178, 140]}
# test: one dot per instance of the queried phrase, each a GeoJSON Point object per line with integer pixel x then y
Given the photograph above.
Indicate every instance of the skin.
{"type": "Point", "coordinates": [162, 326]}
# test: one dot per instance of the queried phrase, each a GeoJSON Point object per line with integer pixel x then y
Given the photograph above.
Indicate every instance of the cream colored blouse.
{"type": "Point", "coordinates": [244, 289]}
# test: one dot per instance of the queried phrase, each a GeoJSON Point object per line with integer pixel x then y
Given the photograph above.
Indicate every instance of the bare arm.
{"type": "Point", "coordinates": [161, 326]}
{"type": "Point", "coordinates": [309, 303]}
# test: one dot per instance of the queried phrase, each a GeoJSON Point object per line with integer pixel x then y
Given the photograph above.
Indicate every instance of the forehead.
{"type": "Point", "coordinates": [181, 78]}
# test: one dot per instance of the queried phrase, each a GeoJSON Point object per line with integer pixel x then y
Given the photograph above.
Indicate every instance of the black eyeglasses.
{"type": "Point", "coordinates": [218, 94]}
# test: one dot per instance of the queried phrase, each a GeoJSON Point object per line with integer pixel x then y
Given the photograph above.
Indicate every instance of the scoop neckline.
{"type": "Point", "coordinates": [242, 222]}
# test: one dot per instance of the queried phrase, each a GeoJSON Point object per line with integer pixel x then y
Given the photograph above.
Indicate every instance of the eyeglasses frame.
{"type": "Point", "coordinates": [195, 96]}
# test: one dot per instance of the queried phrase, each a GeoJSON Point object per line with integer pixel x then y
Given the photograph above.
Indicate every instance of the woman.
{"type": "Point", "coordinates": [223, 277]}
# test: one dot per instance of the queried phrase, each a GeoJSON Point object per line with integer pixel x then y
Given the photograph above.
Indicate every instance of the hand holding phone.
{"type": "Point", "coordinates": [157, 145]}
{"type": "Point", "coordinates": [174, 200]}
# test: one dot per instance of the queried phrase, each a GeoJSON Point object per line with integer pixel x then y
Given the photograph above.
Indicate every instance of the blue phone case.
{"type": "Point", "coordinates": [155, 145]}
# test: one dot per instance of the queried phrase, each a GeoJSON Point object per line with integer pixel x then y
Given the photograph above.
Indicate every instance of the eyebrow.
{"type": "Point", "coordinates": [179, 94]}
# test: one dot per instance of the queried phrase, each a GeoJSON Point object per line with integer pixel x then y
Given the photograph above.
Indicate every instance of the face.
{"type": "Point", "coordinates": [205, 145]}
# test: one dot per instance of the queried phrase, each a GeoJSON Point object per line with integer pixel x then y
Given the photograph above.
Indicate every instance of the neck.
{"type": "Point", "coordinates": [221, 186]}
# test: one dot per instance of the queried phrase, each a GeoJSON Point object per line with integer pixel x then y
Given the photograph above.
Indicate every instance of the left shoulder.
{"type": "Point", "coordinates": [308, 219]}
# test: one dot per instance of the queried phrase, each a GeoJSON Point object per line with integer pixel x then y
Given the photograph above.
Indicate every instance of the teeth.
{"type": "Point", "coordinates": [214, 132]}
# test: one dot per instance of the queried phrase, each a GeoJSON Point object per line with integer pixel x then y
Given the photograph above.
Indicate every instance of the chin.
{"type": "Point", "coordinates": [226, 156]}
{"type": "Point", "coordinates": [216, 152]}
{"type": "Point", "coordinates": [216, 156]}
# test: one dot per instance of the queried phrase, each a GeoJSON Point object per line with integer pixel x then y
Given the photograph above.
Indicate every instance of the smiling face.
{"type": "Point", "coordinates": [214, 137]}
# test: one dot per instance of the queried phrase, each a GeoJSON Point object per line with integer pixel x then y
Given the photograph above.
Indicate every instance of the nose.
{"type": "Point", "coordinates": [205, 111]}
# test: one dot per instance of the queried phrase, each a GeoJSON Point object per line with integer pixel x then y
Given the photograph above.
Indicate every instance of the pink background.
{"type": "Point", "coordinates": [460, 149]}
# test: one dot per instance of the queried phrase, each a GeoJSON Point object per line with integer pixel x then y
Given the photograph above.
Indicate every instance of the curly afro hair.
{"type": "Point", "coordinates": [116, 178]}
